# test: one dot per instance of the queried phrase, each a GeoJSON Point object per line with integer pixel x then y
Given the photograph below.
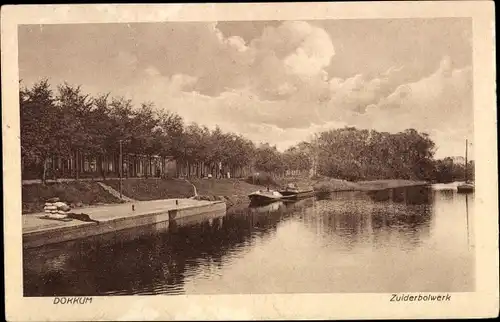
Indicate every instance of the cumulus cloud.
{"type": "Point", "coordinates": [432, 100]}
{"type": "Point", "coordinates": [440, 104]}
{"type": "Point", "coordinates": [314, 50]}
{"type": "Point", "coordinates": [274, 65]}
{"type": "Point", "coordinates": [278, 85]}
{"type": "Point", "coordinates": [277, 90]}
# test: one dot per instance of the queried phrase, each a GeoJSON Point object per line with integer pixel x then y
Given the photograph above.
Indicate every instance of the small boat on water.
{"type": "Point", "coordinates": [262, 196]}
{"type": "Point", "coordinates": [465, 187]}
{"type": "Point", "coordinates": [293, 192]}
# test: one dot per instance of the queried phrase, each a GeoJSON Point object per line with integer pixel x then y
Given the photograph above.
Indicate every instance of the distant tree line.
{"type": "Point", "coordinates": [446, 170]}
{"type": "Point", "coordinates": [67, 120]}
{"type": "Point", "coordinates": [354, 154]}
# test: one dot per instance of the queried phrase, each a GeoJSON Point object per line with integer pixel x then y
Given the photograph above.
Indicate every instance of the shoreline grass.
{"type": "Point", "coordinates": [233, 191]}
{"type": "Point", "coordinates": [76, 194]}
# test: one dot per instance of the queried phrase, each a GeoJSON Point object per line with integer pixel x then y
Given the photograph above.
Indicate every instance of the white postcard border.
{"type": "Point", "coordinates": [481, 303]}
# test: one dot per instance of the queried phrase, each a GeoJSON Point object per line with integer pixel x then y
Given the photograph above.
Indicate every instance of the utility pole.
{"type": "Point", "coordinates": [121, 169]}
{"type": "Point", "coordinates": [466, 146]}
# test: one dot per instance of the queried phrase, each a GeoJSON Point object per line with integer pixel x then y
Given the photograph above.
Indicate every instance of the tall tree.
{"type": "Point", "coordinates": [39, 123]}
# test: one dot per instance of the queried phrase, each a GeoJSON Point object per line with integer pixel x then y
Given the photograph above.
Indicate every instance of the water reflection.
{"type": "Point", "coordinates": [340, 241]}
{"type": "Point", "coordinates": [354, 220]}
{"type": "Point", "coordinates": [152, 259]}
{"type": "Point", "coordinates": [417, 195]}
{"type": "Point", "coordinates": [268, 208]}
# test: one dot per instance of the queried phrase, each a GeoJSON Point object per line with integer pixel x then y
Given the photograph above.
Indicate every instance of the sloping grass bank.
{"type": "Point", "coordinates": [388, 184]}
{"type": "Point", "coordinates": [233, 191]}
{"type": "Point", "coordinates": [153, 189]}
{"type": "Point", "coordinates": [224, 187]}
{"type": "Point", "coordinates": [76, 194]}
{"type": "Point", "coordinates": [332, 185]}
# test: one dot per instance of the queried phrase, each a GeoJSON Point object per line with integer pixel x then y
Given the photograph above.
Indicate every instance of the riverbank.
{"type": "Point", "coordinates": [234, 192]}
{"type": "Point", "coordinates": [38, 231]}
{"type": "Point", "coordinates": [77, 194]}
{"type": "Point", "coordinates": [153, 188]}
{"type": "Point", "coordinates": [81, 194]}
{"type": "Point", "coordinates": [388, 184]}
{"type": "Point", "coordinates": [325, 184]}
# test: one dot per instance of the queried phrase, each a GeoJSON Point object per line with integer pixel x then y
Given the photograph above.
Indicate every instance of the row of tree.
{"type": "Point", "coordinates": [66, 121]}
{"type": "Point", "coordinates": [60, 123]}
{"type": "Point", "coordinates": [446, 170]}
{"type": "Point", "coordinates": [355, 154]}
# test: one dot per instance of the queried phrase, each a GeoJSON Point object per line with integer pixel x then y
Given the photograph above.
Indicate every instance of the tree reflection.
{"type": "Point", "coordinates": [399, 217]}
{"type": "Point", "coordinates": [158, 259]}
{"type": "Point", "coordinates": [145, 260]}
{"type": "Point", "coordinates": [416, 195]}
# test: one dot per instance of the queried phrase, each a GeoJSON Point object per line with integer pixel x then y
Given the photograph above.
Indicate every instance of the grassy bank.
{"type": "Point", "coordinates": [331, 185]}
{"type": "Point", "coordinates": [233, 191]}
{"type": "Point", "coordinates": [88, 193]}
{"type": "Point", "coordinates": [387, 184]}
{"type": "Point", "coordinates": [77, 194]}
{"type": "Point", "coordinates": [153, 189]}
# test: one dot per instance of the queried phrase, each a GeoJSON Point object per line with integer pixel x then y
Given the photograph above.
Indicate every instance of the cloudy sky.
{"type": "Point", "coordinates": [275, 81]}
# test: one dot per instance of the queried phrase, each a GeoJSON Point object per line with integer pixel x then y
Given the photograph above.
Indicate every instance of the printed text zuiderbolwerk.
{"type": "Point", "coordinates": [420, 298]}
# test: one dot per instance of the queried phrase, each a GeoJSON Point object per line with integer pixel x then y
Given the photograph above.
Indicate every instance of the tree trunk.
{"type": "Point", "coordinates": [151, 166]}
{"type": "Point", "coordinates": [77, 165]}
{"type": "Point", "coordinates": [102, 168]}
{"type": "Point", "coordinates": [44, 170]}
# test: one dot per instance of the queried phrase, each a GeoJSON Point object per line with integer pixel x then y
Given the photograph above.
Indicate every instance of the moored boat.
{"type": "Point", "coordinates": [465, 187]}
{"type": "Point", "coordinates": [293, 192]}
{"type": "Point", "coordinates": [262, 196]}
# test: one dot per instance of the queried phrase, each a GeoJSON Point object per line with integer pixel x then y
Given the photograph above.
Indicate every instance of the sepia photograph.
{"type": "Point", "coordinates": [250, 156]}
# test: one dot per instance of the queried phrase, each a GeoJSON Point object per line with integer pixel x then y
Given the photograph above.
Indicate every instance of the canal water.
{"type": "Point", "coordinates": [409, 240]}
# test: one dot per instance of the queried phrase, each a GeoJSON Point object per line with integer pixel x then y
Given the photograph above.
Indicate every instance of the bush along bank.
{"type": "Point", "coordinates": [327, 185]}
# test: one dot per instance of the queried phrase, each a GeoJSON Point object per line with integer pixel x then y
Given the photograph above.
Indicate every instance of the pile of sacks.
{"type": "Point", "coordinates": [56, 209]}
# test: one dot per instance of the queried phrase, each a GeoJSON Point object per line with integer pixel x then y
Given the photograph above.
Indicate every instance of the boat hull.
{"type": "Point", "coordinates": [259, 199]}
{"type": "Point", "coordinates": [466, 188]}
{"type": "Point", "coordinates": [297, 195]}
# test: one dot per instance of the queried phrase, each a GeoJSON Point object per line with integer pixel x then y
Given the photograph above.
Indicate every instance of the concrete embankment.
{"type": "Point", "coordinates": [38, 231]}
